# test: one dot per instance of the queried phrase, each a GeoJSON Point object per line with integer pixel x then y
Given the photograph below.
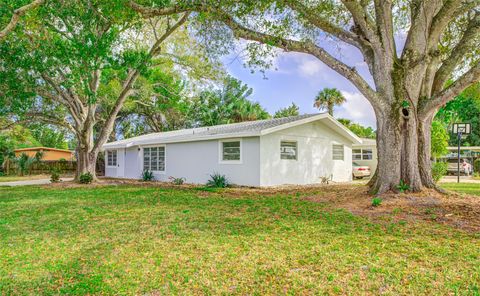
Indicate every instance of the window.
{"type": "Point", "coordinates": [154, 159]}
{"type": "Point", "coordinates": [112, 158]}
{"type": "Point", "coordinates": [231, 151]}
{"type": "Point", "coordinates": [357, 154]}
{"type": "Point", "coordinates": [337, 152]}
{"type": "Point", "coordinates": [362, 154]}
{"type": "Point", "coordinates": [367, 154]}
{"type": "Point", "coordinates": [288, 150]}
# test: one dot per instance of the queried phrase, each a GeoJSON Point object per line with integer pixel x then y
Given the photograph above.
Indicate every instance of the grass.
{"type": "Point", "coordinates": [22, 178]}
{"type": "Point", "coordinates": [469, 188]}
{"type": "Point", "coordinates": [140, 240]}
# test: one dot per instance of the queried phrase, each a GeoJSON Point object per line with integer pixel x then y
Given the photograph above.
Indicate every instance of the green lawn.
{"type": "Point", "coordinates": [138, 240]}
{"type": "Point", "coordinates": [469, 188]}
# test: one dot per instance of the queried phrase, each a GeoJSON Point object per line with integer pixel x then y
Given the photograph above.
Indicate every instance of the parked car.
{"type": "Point", "coordinates": [453, 166]}
{"type": "Point", "coordinates": [360, 171]}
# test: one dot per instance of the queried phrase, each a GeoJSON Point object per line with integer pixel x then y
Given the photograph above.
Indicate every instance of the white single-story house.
{"type": "Point", "coordinates": [291, 150]}
{"type": "Point", "coordinates": [365, 153]}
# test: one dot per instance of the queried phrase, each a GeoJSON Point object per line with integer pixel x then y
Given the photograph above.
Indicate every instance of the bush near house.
{"type": "Point", "coordinates": [218, 181]}
{"type": "Point", "coordinates": [439, 170]}
{"type": "Point", "coordinates": [86, 178]}
{"type": "Point", "coordinates": [476, 165]}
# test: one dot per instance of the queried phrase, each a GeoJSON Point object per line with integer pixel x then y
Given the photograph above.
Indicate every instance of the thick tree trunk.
{"type": "Point", "coordinates": [403, 152]}
{"type": "Point", "coordinates": [86, 155]}
{"type": "Point", "coordinates": [424, 152]}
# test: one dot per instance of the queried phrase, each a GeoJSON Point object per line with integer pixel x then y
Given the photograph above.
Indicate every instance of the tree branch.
{"type": "Point", "coordinates": [326, 26]}
{"type": "Point", "coordinates": [362, 19]}
{"type": "Point", "coordinates": [447, 13]}
{"type": "Point", "coordinates": [305, 47]}
{"type": "Point", "coordinates": [160, 11]}
{"type": "Point", "coordinates": [129, 82]}
{"type": "Point", "coordinates": [446, 95]}
{"type": "Point", "coordinates": [466, 43]}
{"type": "Point", "coordinates": [17, 14]}
{"type": "Point", "coordinates": [35, 117]}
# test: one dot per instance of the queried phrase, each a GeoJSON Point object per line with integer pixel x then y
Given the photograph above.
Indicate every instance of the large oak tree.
{"type": "Point", "coordinates": [419, 53]}
{"type": "Point", "coordinates": [79, 65]}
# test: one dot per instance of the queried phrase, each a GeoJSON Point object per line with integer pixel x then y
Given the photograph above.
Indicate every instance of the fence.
{"type": "Point", "coordinates": [42, 167]}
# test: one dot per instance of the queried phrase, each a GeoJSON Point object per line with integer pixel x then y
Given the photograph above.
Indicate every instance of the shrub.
{"type": "Point", "coordinates": [218, 181]}
{"type": "Point", "coordinates": [476, 165]}
{"type": "Point", "coordinates": [177, 181]}
{"type": "Point", "coordinates": [376, 201]}
{"type": "Point", "coordinates": [55, 176]}
{"type": "Point", "coordinates": [402, 187]}
{"type": "Point", "coordinates": [147, 176]}
{"type": "Point", "coordinates": [24, 162]}
{"type": "Point", "coordinates": [439, 169]}
{"type": "Point", "coordinates": [39, 156]}
{"type": "Point", "coordinates": [86, 178]}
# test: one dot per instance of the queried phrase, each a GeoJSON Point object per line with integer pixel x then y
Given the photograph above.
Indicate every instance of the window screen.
{"type": "Point", "coordinates": [367, 154]}
{"type": "Point", "coordinates": [231, 150]}
{"type": "Point", "coordinates": [338, 153]}
{"type": "Point", "coordinates": [154, 159]}
{"type": "Point", "coordinates": [357, 154]}
{"type": "Point", "coordinates": [288, 150]}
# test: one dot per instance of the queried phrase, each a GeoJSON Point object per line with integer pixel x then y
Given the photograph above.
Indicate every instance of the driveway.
{"type": "Point", "coordinates": [31, 182]}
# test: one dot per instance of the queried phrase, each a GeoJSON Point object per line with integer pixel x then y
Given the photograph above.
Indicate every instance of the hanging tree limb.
{"type": "Point", "coordinates": [441, 98]}
{"type": "Point", "coordinates": [129, 82]}
{"type": "Point", "coordinates": [17, 14]}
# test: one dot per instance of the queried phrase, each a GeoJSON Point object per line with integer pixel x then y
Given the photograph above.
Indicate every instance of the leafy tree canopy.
{"type": "Point", "coordinates": [292, 110]}
{"type": "Point", "coordinates": [358, 129]}
{"type": "Point", "coordinates": [464, 108]}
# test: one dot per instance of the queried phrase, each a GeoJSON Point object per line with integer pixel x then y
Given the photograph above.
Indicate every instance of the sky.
{"type": "Point", "coordinates": [299, 77]}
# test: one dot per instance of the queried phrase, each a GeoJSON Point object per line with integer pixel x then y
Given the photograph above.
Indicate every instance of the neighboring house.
{"type": "Point", "coordinates": [291, 150]}
{"type": "Point", "coordinates": [49, 154]}
{"type": "Point", "coordinates": [365, 153]}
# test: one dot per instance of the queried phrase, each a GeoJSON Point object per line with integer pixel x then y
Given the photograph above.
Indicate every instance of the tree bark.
{"type": "Point", "coordinates": [86, 154]}
{"type": "Point", "coordinates": [403, 151]}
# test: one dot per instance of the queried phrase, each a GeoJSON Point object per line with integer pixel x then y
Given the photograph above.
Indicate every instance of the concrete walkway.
{"type": "Point", "coordinates": [463, 179]}
{"type": "Point", "coordinates": [31, 182]}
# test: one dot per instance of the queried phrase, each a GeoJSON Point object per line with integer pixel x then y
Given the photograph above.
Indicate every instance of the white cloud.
{"type": "Point", "coordinates": [309, 67]}
{"type": "Point", "coordinates": [356, 108]}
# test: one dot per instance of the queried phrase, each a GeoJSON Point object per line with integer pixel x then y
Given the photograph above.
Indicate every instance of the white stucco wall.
{"type": "Point", "coordinates": [195, 161]}
{"type": "Point", "coordinates": [314, 142]}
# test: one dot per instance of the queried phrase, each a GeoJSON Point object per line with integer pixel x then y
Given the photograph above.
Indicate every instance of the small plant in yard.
{"type": "Point", "coordinates": [147, 176]}
{"type": "Point", "coordinates": [86, 178]}
{"type": "Point", "coordinates": [218, 181]}
{"type": "Point", "coordinates": [177, 181]}
{"type": "Point", "coordinates": [402, 187]}
{"type": "Point", "coordinates": [439, 170]}
{"type": "Point", "coordinates": [55, 175]}
{"type": "Point", "coordinates": [376, 201]}
{"type": "Point", "coordinates": [24, 162]}
{"type": "Point", "coordinates": [476, 166]}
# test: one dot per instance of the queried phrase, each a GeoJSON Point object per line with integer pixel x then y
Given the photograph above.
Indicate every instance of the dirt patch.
{"type": "Point", "coordinates": [457, 210]}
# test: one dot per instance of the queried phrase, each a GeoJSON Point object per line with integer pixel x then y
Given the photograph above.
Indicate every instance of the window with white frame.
{"type": "Point", "coordinates": [112, 158]}
{"type": "Point", "coordinates": [288, 150]}
{"type": "Point", "coordinates": [337, 152]}
{"type": "Point", "coordinates": [154, 158]}
{"type": "Point", "coordinates": [367, 154]}
{"type": "Point", "coordinates": [362, 154]}
{"type": "Point", "coordinates": [231, 151]}
{"type": "Point", "coordinates": [357, 154]}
